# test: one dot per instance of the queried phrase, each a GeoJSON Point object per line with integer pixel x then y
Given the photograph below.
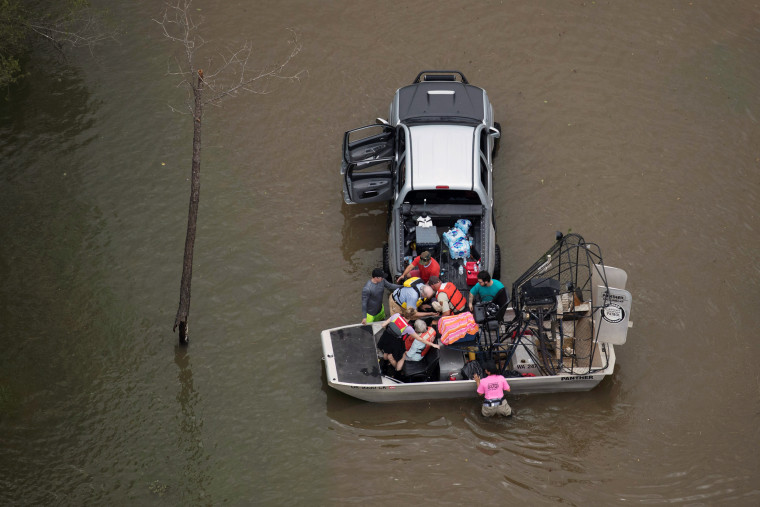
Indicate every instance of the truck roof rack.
{"type": "Point", "coordinates": [440, 75]}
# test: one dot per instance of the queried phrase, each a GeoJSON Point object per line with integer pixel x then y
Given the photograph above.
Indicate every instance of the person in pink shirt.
{"type": "Point", "coordinates": [492, 388]}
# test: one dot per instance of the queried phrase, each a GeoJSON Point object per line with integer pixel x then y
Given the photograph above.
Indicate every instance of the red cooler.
{"type": "Point", "coordinates": [472, 273]}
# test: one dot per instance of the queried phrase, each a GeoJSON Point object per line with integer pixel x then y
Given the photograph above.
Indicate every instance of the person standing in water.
{"type": "Point", "coordinates": [492, 388]}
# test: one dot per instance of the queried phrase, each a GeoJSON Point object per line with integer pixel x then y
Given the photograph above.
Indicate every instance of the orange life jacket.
{"type": "Point", "coordinates": [428, 335]}
{"type": "Point", "coordinates": [455, 297]}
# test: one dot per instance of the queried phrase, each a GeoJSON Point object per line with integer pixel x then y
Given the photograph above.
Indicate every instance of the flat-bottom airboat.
{"type": "Point", "coordinates": [555, 332]}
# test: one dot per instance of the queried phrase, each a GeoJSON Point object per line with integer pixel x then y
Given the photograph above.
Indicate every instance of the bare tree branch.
{"type": "Point", "coordinates": [226, 79]}
{"type": "Point", "coordinates": [82, 27]}
{"type": "Point", "coordinates": [233, 74]}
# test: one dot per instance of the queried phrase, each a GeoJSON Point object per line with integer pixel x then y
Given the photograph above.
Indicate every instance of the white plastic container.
{"type": "Point", "coordinates": [522, 360]}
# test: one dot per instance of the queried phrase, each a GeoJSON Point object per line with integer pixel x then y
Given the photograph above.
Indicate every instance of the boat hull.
{"type": "Point", "coordinates": [380, 388]}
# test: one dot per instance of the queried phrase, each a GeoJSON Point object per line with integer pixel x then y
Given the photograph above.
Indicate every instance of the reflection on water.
{"type": "Point", "coordinates": [190, 441]}
{"type": "Point", "coordinates": [51, 249]}
{"type": "Point", "coordinates": [363, 229]}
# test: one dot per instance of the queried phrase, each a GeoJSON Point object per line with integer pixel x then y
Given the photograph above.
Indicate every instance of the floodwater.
{"type": "Point", "coordinates": [635, 124]}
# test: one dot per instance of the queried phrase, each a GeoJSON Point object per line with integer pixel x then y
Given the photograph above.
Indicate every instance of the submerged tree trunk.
{"type": "Point", "coordinates": [192, 217]}
{"type": "Point", "coordinates": [230, 76]}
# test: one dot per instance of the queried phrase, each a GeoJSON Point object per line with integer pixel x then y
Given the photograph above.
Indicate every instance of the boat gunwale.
{"type": "Point", "coordinates": [430, 390]}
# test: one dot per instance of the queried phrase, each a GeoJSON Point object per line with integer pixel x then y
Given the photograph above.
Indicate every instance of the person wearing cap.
{"type": "Point", "coordinates": [492, 388]}
{"type": "Point", "coordinates": [448, 298]}
{"type": "Point", "coordinates": [425, 265]}
{"type": "Point", "coordinates": [372, 296]}
{"type": "Point", "coordinates": [485, 289]}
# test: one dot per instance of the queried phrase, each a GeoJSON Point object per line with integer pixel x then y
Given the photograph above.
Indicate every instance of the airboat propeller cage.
{"type": "Point", "coordinates": [571, 275]}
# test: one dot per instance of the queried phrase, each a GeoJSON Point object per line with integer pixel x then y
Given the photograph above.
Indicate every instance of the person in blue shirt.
{"type": "Point", "coordinates": [406, 301]}
{"type": "Point", "coordinates": [485, 289]}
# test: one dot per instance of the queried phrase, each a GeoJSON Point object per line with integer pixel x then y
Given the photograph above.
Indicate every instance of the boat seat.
{"type": "Point", "coordinates": [419, 371]}
{"type": "Point", "coordinates": [491, 315]}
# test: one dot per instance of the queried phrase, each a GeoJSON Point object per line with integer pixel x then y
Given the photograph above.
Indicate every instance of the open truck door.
{"type": "Point", "coordinates": [369, 155]}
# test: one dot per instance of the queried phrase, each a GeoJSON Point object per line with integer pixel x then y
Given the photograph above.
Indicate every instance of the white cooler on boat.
{"type": "Point", "coordinates": [522, 360]}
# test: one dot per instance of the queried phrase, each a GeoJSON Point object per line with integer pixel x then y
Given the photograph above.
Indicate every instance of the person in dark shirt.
{"type": "Point", "coordinates": [372, 296]}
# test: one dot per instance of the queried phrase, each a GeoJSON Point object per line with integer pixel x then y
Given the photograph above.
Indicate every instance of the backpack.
{"type": "Point", "coordinates": [471, 369]}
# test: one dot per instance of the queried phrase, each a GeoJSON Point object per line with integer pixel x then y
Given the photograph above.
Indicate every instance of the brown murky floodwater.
{"type": "Point", "coordinates": [635, 124]}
